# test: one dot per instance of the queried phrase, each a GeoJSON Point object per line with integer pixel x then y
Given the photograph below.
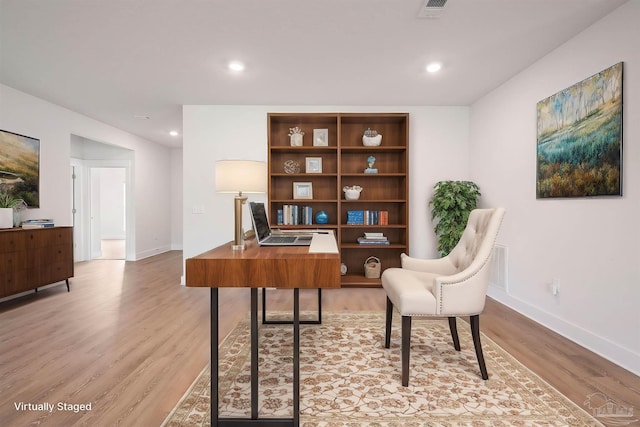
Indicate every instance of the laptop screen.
{"type": "Point", "coordinates": [260, 221]}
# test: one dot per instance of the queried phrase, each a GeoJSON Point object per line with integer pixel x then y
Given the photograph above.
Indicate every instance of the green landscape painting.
{"type": "Point", "coordinates": [579, 142]}
{"type": "Point", "coordinates": [20, 167]}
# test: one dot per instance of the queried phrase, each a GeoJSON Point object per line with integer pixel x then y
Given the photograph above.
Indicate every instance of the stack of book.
{"type": "Point", "coordinates": [367, 217]}
{"type": "Point", "coordinates": [37, 223]}
{"type": "Point", "coordinates": [373, 239]}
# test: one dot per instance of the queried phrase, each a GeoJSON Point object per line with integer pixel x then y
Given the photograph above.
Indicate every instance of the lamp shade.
{"type": "Point", "coordinates": [241, 176]}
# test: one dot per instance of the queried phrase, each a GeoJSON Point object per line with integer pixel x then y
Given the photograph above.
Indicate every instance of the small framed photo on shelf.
{"type": "Point", "coordinates": [320, 137]}
{"type": "Point", "coordinates": [313, 165]}
{"type": "Point", "coordinates": [303, 190]}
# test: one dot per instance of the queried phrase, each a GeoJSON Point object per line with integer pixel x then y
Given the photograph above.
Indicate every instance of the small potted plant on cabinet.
{"type": "Point", "coordinates": [7, 205]}
{"type": "Point", "coordinates": [451, 203]}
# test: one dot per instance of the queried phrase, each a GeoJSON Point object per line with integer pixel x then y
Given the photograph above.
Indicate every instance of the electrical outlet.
{"type": "Point", "coordinates": [197, 209]}
{"type": "Point", "coordinates": [555, 287]}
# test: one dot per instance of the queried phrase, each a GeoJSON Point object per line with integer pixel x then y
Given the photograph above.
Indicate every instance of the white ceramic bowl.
{"type": "Point", "coordinates": [372, 141]}
{"type": "Point", "coordinates": [352, 193]}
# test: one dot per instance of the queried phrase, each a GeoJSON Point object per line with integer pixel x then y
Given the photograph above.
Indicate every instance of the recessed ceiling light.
{"type": "Point", "coordinates": [236, 66]}
{"type": "Point", "coordinates": [174, 133]}
{"type": "Point", "coordinates": [434, 67]}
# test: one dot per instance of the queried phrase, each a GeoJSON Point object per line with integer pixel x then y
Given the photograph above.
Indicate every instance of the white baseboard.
{"type": "Point", "coordinates": [621, 356]}
{"type": "Point", "coordinates": [152, 252]}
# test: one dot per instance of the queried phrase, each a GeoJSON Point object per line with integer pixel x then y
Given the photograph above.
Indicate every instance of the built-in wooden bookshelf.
{"type": "Point", "coordinates": [344, 160]}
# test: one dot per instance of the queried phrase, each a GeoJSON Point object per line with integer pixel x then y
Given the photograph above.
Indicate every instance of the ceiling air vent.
{"type": "Point", "coordinates": [431, 8]}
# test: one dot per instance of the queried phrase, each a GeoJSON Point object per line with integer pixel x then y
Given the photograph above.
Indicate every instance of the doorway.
{"type": "Point", "coordinates": [103, 202]}
{"type": "Point", "coordinates": [108, 212]}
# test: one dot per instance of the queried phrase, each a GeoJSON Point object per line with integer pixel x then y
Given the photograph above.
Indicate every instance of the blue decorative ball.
{"type": "Point", "coordinates": [322, 217]}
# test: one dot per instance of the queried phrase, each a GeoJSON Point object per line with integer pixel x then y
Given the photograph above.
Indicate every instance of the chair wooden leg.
{"type": "Point", "coordinates": [389, 316]}
{"type": "Point", "coordinates": [475, 332]}
{"type": "Point", "coordinates": [406, 347]}
{"type": "Point", "coordinates": [454, 333]}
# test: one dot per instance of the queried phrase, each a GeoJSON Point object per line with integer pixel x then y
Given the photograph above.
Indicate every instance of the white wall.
{"type": "Point", "coordinates": [590, 245]}
{"type": "Point", "coordinates": [54, 125]}
{"type": "Point", "coordinates": [112, 203]}
{"type": "Point", "coordinates": [176, 199]}
{"type": "Point", "coordinates": [438, 150]}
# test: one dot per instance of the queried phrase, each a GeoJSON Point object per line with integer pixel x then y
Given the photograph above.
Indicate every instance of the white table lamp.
{"type": "Point", "coordinates": [238, 177]}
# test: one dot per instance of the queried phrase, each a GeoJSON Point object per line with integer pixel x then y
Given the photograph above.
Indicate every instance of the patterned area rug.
{"type": "Point", "coordinates": [348, 379]}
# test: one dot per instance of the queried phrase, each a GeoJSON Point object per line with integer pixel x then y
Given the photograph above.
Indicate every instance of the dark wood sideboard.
{"type": "Point", "coordinates": [31, 258]}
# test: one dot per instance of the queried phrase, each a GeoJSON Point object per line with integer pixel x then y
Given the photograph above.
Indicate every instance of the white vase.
{"type": "Point", "coordinates": [6, 217]}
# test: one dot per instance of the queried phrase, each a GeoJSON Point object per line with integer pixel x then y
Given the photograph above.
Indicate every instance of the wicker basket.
{"type": "Point", "coordinates": [372, 268]}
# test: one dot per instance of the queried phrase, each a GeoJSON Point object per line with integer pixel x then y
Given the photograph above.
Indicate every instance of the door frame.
{"type": "Point", "coordinates": [82, 202]}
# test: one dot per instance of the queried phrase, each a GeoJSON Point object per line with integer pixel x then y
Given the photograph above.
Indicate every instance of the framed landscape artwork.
{"type": "Point", "coordinates": [20, 167]}
{"type": "Point", "coordinates": [579, 139]}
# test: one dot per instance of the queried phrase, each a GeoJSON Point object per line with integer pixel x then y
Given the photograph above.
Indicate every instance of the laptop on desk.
{"type": "Point", "coordinates": [266, 237]}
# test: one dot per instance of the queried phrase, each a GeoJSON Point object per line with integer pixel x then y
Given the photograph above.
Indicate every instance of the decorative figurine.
{"type": "Point", "coordinates": [295, 135]}
{"type": "Point", "coordinates": [291, 166]}
{"type": "Point", "coordinates": [371, 161]}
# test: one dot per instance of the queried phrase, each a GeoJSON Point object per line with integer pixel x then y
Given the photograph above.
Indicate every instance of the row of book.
{"type": "Point", "coordinates": [303, 215]}
{"type": "Point", "coordinates": [367, 217]}
{"type": "Point", "coordinates": [295, 215]}
{"type": "Point", "coordinates": [373, 239]}
{"type": "Point", "coordinates": [37, 223]}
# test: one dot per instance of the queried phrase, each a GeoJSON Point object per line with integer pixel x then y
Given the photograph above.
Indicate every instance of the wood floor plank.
{"type": "Point", "coordinates": [130, 340]}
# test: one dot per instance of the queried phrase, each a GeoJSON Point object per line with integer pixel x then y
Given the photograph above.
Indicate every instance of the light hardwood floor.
{"type": "Point", "coordinates": [130, 340]}
{"type": "Point", "coordinates": [112, 249]}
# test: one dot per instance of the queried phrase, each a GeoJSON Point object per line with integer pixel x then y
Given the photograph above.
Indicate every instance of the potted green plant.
{"type": "Point", "coordinates": [451, 203]}
{"type": "Point", "coordinates": [7, 205]}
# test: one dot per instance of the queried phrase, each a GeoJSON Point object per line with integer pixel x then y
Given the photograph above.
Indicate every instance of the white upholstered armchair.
{"type": "Point", "coordinates": [453, 286]}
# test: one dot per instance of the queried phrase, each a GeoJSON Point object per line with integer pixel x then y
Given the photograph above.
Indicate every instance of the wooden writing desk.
{"type": "Point", "coordinates": [290, 267]}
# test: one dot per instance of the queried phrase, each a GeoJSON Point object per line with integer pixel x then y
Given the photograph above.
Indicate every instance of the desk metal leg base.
{"type": "Point", "coordinates": [254, 420]}
{"type": "Point", "coordinates": [245, 422]}
{"type": "Point", "coordinates": [266, 321]}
